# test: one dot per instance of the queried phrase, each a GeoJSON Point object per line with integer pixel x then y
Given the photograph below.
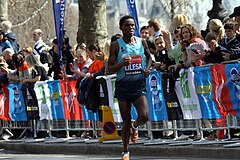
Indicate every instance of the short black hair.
{"type": "Point", "coordinates": [229, 26]}
{"type": "Point", "coordinates": [210, 37]}
{"type": "Point", "coordinates": [121, 21]}
{"type": "Point", "coordinates": [95, 47]}
{"type": "Point", "coordinates": [66, 40]}
{"type": "Point", "coordinates": [55, 41]}
{"type": "Point", "coordinates": [18, 58]}
{"type": "Point", "coordinates": [144, 28]}
{"type": "Point", "coordinates": [151, 43]}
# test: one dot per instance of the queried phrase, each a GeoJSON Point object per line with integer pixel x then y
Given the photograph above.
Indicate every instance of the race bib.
{"type": "Point", "coordinates": [135, 67]}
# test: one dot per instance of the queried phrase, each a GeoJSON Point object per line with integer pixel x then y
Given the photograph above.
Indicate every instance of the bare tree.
{"type": "Point", "coordinates": [27, 15]}
{"type": "Point", "coordinates": [92, 27]}
{"type": "Point", "coordinates": [3, 10]}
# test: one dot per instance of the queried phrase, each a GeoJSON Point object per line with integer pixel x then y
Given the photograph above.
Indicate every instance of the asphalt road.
{"type": "Point", "coordinates": [12, 155]}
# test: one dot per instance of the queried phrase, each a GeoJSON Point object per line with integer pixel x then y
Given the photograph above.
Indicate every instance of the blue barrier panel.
{"type": "Point", "coordinates": [156, 102]}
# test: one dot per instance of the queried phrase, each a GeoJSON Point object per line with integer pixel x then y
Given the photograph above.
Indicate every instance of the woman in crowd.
{"type": "Point", "coordinates": [216, 28]}
{"type": "Point", "coordinates": [175, 53]}
{"type": "Point", "coordinates": [22, 73]}
{"type": "Point", "coordinates": [81, 63]}
{"type": "Point", "coordinates": [27, 50]}
{"type": "Point", "coordinates": [38, 71]}
{"type": "Point", "coordinates": [80, 68]}
{"type": "Point", "coordinates": [98, 58]}
{"type": "Point", "coordinates": [188, 36]}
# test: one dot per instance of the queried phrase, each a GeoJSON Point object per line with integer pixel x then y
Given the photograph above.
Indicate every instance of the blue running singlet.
{"type": "Point", "coordinates": [130, 82]}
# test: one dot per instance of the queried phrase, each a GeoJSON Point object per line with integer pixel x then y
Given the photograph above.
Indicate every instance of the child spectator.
{"type": "Point", "coordinates": [230, 42]}
{"type": "Point", "coordinates": [214, 55]}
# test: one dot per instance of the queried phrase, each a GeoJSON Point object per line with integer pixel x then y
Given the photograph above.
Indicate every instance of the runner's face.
{"type": "Point", "coordinates": [128, 27]}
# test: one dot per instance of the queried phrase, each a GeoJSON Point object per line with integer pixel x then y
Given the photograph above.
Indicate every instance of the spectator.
{"type": "Point", "coordinates": [81, 63]}
{"type": "Point", "coordinates": [190, 35]}
{"type": "Point", "coordinates": [174, 47]}
{"type": "Point", "coordinates": [236, 14]}
{"type": "Point", "coordinates": [67, 56]}
{"type": "Point", "coordinates": [27, 50]}
{"type": "Point", "coordinates": [94, 53]}
{"type": "Point", "coordinates": [7, 55]}
{"type": "Point", "coordinates": [161, 56]}
{"type": "Point", "coordinates": [55, 67]}
{"type": "Point", "coordinates": [216, 27]}
{"type": "Point", "coordinates": [80, 68]}
{"type": "Point", "coordinates": [38, 71]}
{"type": "Point", "coordinates": [81, 46]}
{"type": "Point", "coordinates": [230, 42]}
{"type": "Point", "coordinates": [25, 76]}
{"type": "Point", "coordinates": [176, 35]}
{"type": "Point", "coordinates": [144, 32]}
{"type": "Point", "coordinates": [152, 47]}
{"type": "Point", "coordinates": [154, 27]}
{"type": "Point", "coordinates": [214, 55]}
{"type": "Point", "coordinates": [4, 43]}
{"type": "Point", "coordinates": [179, 20]}
{"type": "Point", "coordinates": [3, 73]}
{"type": "Point", "coordinates": [115, 37]}
{"type": "Point", "coordinates": [39, 47]}
{"type": "Point", "coordinates": [7, 26]}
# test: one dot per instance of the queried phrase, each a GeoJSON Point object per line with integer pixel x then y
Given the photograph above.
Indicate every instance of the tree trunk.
{"type": "Point", "coordinates": [92, 27]}
{"type": "Point", "coordinates": [3, 10]}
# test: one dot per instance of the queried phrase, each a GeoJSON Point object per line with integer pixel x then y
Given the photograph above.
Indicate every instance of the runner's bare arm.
{"type": "Point", "coordinates": [113, 67]}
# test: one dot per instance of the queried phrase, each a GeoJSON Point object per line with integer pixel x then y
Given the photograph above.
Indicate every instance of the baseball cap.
{"type": "Point", "coordinates": [236, 12]}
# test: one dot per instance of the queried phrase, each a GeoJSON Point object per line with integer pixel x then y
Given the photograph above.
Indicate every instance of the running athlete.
{"type": "Point", "coordinates": [128, 56]}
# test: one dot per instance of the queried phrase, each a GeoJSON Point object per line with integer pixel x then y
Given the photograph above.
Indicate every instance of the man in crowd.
{"type": "Point", "coordinates": [154, 27]}
{"type": "Point", "coordinates": [39, 46]}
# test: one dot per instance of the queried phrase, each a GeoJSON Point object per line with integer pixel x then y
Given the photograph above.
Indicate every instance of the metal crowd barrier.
{"type": "Point", "coordinates": [175, 127]}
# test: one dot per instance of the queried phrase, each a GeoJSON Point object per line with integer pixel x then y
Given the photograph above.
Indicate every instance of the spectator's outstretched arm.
{"type": "Point", "coordinates": [148, 58]}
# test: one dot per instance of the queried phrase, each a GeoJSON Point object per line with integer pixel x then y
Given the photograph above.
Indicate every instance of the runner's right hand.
{"type": "Point", "coordinates": [126, 61]}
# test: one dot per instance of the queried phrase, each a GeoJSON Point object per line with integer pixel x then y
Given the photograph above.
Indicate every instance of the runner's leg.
{"type": "Point", "coordinates": [141, 106]}
{"type": "Point", "coordinates": [125, 110]}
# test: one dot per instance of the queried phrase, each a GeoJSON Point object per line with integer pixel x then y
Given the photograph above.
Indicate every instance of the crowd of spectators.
{"type": "Point", "coordinates": [183, 46]}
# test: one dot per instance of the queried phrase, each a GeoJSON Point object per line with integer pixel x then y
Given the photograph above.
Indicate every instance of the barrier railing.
{"type": "Point", "coordinates": [205, 94]}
